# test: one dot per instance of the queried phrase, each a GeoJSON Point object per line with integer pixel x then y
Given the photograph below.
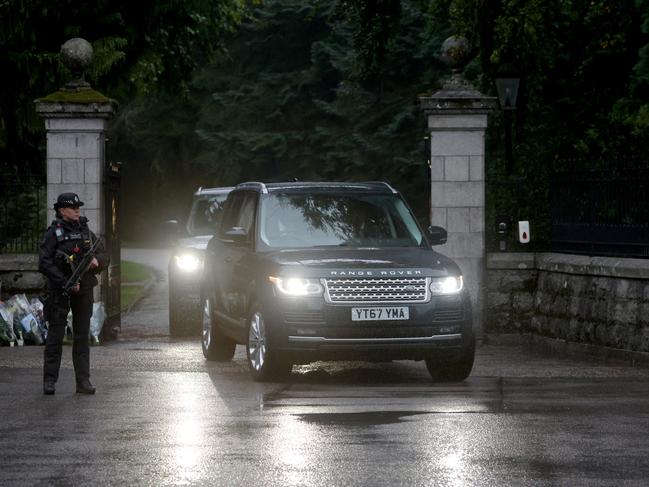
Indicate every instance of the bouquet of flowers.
{"type": "Point", "coordinates": [39, 313]}
{"type": "Point", "coordinates": [25, 323]}
{"type": "Point", "coordinates": [7, 334]}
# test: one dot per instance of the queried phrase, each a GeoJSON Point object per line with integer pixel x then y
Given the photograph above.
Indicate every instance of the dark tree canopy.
{"type": "Point", "coordinates": [292, 98]}
{"type": "Point", "coordinates": [142, 47]}
{"type": "Point", "coordinates": [328, 89]}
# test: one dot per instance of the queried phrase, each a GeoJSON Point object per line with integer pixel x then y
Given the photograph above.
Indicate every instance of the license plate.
{"type": "Point", "coordinates": [380, 314]}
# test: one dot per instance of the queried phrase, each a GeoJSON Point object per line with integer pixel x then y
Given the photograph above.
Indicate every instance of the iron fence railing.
{"type": "Point", "coordinates": [23, 215]}
{"type": "Point", "coordinates": [600, 211]}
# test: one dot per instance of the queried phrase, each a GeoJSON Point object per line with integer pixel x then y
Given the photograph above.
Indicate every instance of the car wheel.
{"type": "Point", "coordinates": [216, 346]}
{"type": "Point", "coordinates": [184, 314]}
{"type": "Point", "coordinates": [265, 363]}
{"type": "Point", "coordinates": [451, 366]}
{"type": "Point", "coordinates": [176, 325]}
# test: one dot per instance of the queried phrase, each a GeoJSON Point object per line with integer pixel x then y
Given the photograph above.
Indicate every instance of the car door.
{"type": "Point", "coordinates": [241, 258]}
{"type": "Point", "coordinates": [220, 253]}
{"type": "Point", "coordinates": [236, 243]}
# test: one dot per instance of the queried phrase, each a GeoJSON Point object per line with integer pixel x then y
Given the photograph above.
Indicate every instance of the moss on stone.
{"type": "Point", "coordinates": [77, 96]}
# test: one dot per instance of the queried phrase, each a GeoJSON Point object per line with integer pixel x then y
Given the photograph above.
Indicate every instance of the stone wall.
{"type": "Point", "coordinates": [594, 300]}
{"type": "Point", "coordinates": [510, 288]}
{"type": "Point", "coordinates": [19, 274]}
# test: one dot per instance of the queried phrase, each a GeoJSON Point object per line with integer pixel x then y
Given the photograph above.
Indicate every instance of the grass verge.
{"type": "Point", "coordinates": [134, 277]}
{"type": "Point", "coordinates": [133, 272]}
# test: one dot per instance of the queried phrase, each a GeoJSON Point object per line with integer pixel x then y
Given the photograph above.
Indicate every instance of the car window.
{"type": "Point", "coordinates": [247, 212]}
{"type": "Point", "coordinates": [231, 211]}
{"type": "Point", "coordinates": [299, 220]}
{"type": "Point", "coordinates": [205, 214]}
{"type": "Point", "coordinates": [240, 212]}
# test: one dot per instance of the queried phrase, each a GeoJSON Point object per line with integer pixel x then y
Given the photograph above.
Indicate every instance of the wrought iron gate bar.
{"type": "Point", "coordinates": [601, 212]}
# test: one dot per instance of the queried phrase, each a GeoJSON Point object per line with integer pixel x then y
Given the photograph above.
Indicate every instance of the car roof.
{"type": "Point", "coordinates": [213, 191]}
{"type": "Point", "coordinates": [325, 186]}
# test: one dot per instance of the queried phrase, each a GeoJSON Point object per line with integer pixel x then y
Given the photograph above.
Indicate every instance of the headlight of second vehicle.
{"type": "Point", "coordinates": [188, 262]}
{"type": "Point", "coordinates": [296, 286]}
{"type": "Point", "coordinates": [446, 285]}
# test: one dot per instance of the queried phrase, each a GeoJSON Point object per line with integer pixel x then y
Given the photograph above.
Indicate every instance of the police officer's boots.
{"type": "Point", "coordinates": [85, 387]}
{"type": "Point", "coordinates": [48, 388]}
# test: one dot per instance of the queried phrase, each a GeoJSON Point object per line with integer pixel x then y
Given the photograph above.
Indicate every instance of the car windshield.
{"type": "Point", "coordinates": [205, 214]}
{"type": "Point", "coordinates": [360, 220]}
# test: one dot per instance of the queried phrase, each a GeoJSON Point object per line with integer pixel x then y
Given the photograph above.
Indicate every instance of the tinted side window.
{"type": "Point", "coordinates": [231, 212]}
{"type": "Point", "coordinates": [247, 213]}
{"type": "Point", "coordinates": [206, 215]}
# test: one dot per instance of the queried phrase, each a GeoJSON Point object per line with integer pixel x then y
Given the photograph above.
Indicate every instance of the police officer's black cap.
{"type": "Point", "coordinates": [68, 200]}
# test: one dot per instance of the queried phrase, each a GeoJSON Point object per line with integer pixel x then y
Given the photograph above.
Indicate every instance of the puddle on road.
{"type": "Point", "coordinates": [370, 418]}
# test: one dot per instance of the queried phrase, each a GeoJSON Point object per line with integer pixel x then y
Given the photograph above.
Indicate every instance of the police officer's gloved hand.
{"type": "Point", "coordinates": [73, 289]}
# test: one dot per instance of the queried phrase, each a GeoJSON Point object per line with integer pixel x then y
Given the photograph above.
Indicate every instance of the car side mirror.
{"type": "Point", "coordinates": [237, 235]}
{"type": "Point", "coordinates": [437, 235]}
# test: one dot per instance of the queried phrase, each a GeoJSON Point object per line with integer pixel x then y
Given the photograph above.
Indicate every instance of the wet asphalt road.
{"type": "Point", "coordinates": [163, 416]}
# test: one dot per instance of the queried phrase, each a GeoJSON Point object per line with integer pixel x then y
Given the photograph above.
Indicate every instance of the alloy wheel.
{"type": "Point", "coordinates": [207, 325]}
{"type": "Point", "coordinates": [257, 347]}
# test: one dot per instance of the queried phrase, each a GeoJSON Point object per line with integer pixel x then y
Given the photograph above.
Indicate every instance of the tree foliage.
{"type": "Point", "coordinates": [144, 47]}
{"type": "Point", "coordinates": [302, 94]}
{"type": "Point", "coordinates": [582, 92]}
{"type": "Point", "coordinates": [327, 89]}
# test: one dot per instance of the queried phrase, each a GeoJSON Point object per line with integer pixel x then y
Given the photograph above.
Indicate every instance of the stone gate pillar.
{"type": "Point", "coordinates": [75, 122]}
{"type": "Point", "coordinates": [457, 120]}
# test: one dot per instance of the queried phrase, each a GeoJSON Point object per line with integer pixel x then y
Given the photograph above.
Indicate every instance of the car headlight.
{"type": "Point", "coordinates": [188, 262]}
{"type": "Point", "coordinates": [446, 285]}
{"type": "Point", "coordinates": [297, 286]}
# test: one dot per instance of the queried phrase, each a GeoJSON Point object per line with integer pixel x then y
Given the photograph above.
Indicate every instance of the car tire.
{"type": "Point", "coordinates": [216, 345]}
{"type": "Point", "coordinates": [265, 363]}
{"type": "Point", "coordinates": [451, 366]}
{"type": "Point", "coordinates": [184, 315]}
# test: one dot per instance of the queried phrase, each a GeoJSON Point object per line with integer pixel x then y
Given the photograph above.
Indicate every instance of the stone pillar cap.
{"type": "Point", "coordinates": [85, 103]}
{"type": "Point", "coordinates": [457, 95]}
{"type": "Point", "coordinates": [76, 99]}
{"type": "Point", "coordinates": [76, 55]}
{"type": "Point", "coordinates": [466, 101]}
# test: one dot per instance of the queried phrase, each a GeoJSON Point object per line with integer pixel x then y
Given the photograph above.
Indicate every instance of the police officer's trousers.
{"type": "Point", "coordinates": [81, 305]}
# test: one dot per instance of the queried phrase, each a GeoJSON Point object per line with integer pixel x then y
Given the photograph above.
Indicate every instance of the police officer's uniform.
{"type": "Point", "coordinates": [64, 243]}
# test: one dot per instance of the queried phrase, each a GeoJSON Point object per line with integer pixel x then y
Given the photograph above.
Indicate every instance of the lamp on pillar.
{"type": "Point", "coordinates": [507, 83]}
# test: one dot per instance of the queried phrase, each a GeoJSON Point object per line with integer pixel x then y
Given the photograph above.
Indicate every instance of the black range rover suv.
{"type": "Point", "coordinates": [300, 272]}
{"type": "Point", "coordinates": [186, 261]}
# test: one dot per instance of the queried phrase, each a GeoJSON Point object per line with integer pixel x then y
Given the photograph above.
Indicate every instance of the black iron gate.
{"type": "Point", "coordinates": [23, 213]}
{"type": "Point", "coordinates": [112, 278]}
{"type": "Point", "coordinates": [599, 208]}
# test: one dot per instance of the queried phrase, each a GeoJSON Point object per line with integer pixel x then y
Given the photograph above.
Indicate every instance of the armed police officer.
{"type": "Point", "coordinates": [63, 247]}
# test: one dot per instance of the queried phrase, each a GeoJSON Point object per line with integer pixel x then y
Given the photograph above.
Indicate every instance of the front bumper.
{"type": "Point", "coordinates": [309, 327]}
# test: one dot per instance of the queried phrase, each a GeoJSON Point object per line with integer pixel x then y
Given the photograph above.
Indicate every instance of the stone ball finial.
{"type": "Point", "coordinates": [456, 52]}
{"type": "Point", "coordinates": [76, 55]}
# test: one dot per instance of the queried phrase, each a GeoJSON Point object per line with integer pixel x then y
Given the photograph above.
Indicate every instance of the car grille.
{"type": "Point", "coordinates": [384, 290]}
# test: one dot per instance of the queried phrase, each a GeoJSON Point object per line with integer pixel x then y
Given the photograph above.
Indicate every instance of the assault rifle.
{"type": "Point", "coordinates": [81, 268]}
